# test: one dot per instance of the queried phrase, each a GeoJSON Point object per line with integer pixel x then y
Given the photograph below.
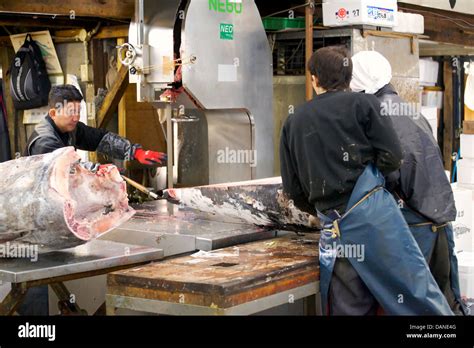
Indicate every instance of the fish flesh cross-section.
{"type": "Point", "coordinates": [52, 201]}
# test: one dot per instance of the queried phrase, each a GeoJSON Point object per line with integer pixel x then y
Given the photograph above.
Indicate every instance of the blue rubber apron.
{"type": "Point", "coordinates": [425, 234]}
{"type": "Point", "coordinates": [391, 265]}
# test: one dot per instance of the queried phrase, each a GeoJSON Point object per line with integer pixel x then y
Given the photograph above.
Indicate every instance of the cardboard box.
{"type": "Point", "coordinates": [381, 13]}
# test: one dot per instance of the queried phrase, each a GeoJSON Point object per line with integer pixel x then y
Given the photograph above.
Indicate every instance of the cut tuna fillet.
{"type": "Point", "coordinates": [258, 202]}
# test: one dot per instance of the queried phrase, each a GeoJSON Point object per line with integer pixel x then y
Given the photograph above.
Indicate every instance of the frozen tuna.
{"type": "Point", "coordinates": [51, 201]}
{"type": "Point", "coordinates": [258, 202]}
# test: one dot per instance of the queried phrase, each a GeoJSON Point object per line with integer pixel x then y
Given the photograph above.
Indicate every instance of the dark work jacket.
{"type": "Point", "coordinates": [47, 137]}
{"type": "Point", "coordinates": [328, 142]}
{"type": "Point", "coordinates": [421, 180]}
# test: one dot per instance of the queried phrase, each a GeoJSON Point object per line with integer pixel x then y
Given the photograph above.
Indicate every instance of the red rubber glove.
{"type": "Point", "coordinates": [149, 157]}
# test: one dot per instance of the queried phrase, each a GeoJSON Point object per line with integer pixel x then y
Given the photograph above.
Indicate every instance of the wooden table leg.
{"type": "Point", "coordinates": [66, 306]}
{"type": "Point", "coordinates": [14, 299]}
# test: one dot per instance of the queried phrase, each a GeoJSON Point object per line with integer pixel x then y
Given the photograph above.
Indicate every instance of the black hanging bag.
{"type": "Point", "coordinates": [29, 81]}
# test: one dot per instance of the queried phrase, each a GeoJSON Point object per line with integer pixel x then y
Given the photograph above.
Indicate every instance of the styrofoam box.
{"type": "Point", "coordinates": [428, 72]}
{"type": "Point", "coordinates": [467, 146]}
{"type": "Point", "coordinates": [466, 171]}
{"type": "Point", "coordinates": [466, 274]}
{"type": "Point", "coordinates": [431, 115]}
{"type": "Point", "coordinates": [381, 13]}
{"type": "Point", "coordinates": [410, 23]}
{"type": "Point", "coordinates": [464, 220]}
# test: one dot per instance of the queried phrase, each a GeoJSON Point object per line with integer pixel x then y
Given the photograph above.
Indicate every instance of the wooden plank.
{"type": "Point", "coordinates": [6, 56]}
{"type": "Point", "coordinates": [228, 278]}
{"type": "Point", "coordinates": [448, 112]}
{"type": "Point", "coordinates": [388, 34]}
{"type": "Point", "coordinates": [122, 9]}
{"type": "Point", "coordinates": [122, 108]}
{"type": "Point", "coordinates": [138, 114]}
{"type": "Point", "coordinates": [283, 282]}
{"type": "Point", "coordinates": [100, 64]}
{"type": "Point", "coordinates": [112, 32]}
{"type": "Point", "coordinates": [70, 34]}
{"type": "Point", "coordinates": [112, 99]}
{"type": "Point", "coordinates": [468, 127]}
{"type": "Point", "coordinates": [221, 276]}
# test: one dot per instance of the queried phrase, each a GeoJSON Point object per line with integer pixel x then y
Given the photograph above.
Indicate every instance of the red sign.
{"type": "Point", "coordinates": [342, 13]}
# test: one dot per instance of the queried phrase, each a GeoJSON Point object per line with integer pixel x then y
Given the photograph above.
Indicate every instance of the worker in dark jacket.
{"type": "Point", "coordinates": [420, 185]}
{"type": "Point", "coordinates": [61, 127]}
{"type": "Point", "coordinates": [325, 147]}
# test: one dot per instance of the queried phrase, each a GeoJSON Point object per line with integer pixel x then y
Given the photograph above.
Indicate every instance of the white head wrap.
{"type": "Point", "coordinates": [371, 72]}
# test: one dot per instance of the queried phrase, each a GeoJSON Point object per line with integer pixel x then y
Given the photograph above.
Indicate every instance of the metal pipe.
{"type": "Point", "coordinates": [309, 11]}
{"type": "Point", "coordinates": [141, 23]}
{"type": "Point", "coordinates": [169, 144]}
{"type": "Point", "coordinates": [169, 147]}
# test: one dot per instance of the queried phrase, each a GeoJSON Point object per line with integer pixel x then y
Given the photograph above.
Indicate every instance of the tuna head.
{"type": "Point", "coordinates": [52, 201]}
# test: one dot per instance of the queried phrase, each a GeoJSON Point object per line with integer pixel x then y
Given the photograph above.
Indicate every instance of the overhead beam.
{"type": "Point", "coordinates": [447, 33]}
{"type": "Point", "coordinates": [113, 98]}
{"type": "Point", "coordinates": [41, 22]}
{"type": "Point", "coordinates": [112, 32]}
{"type": "Point", "coordinates": [445, 50]}
{"type": "Point", "coordinates": [121, 9]}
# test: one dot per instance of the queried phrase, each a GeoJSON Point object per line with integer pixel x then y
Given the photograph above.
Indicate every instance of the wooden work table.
{"type": "Point", "coordinates": [243, 279]}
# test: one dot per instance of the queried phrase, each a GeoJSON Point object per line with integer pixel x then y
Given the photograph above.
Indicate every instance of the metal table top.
{"type": "Point", "coordinates": [93, 256]}
{"type": "Point", "coordinates": [179, 231]}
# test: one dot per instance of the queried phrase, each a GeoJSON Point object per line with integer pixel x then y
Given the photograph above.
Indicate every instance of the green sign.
{"type": "Point", "coordinates": [227, 31]}
{"type": "Point", "coordinates": [226, 6]}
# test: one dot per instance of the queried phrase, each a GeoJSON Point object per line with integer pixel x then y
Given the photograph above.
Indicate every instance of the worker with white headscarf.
{"type": "Point", "coordinates": [420, 185]}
